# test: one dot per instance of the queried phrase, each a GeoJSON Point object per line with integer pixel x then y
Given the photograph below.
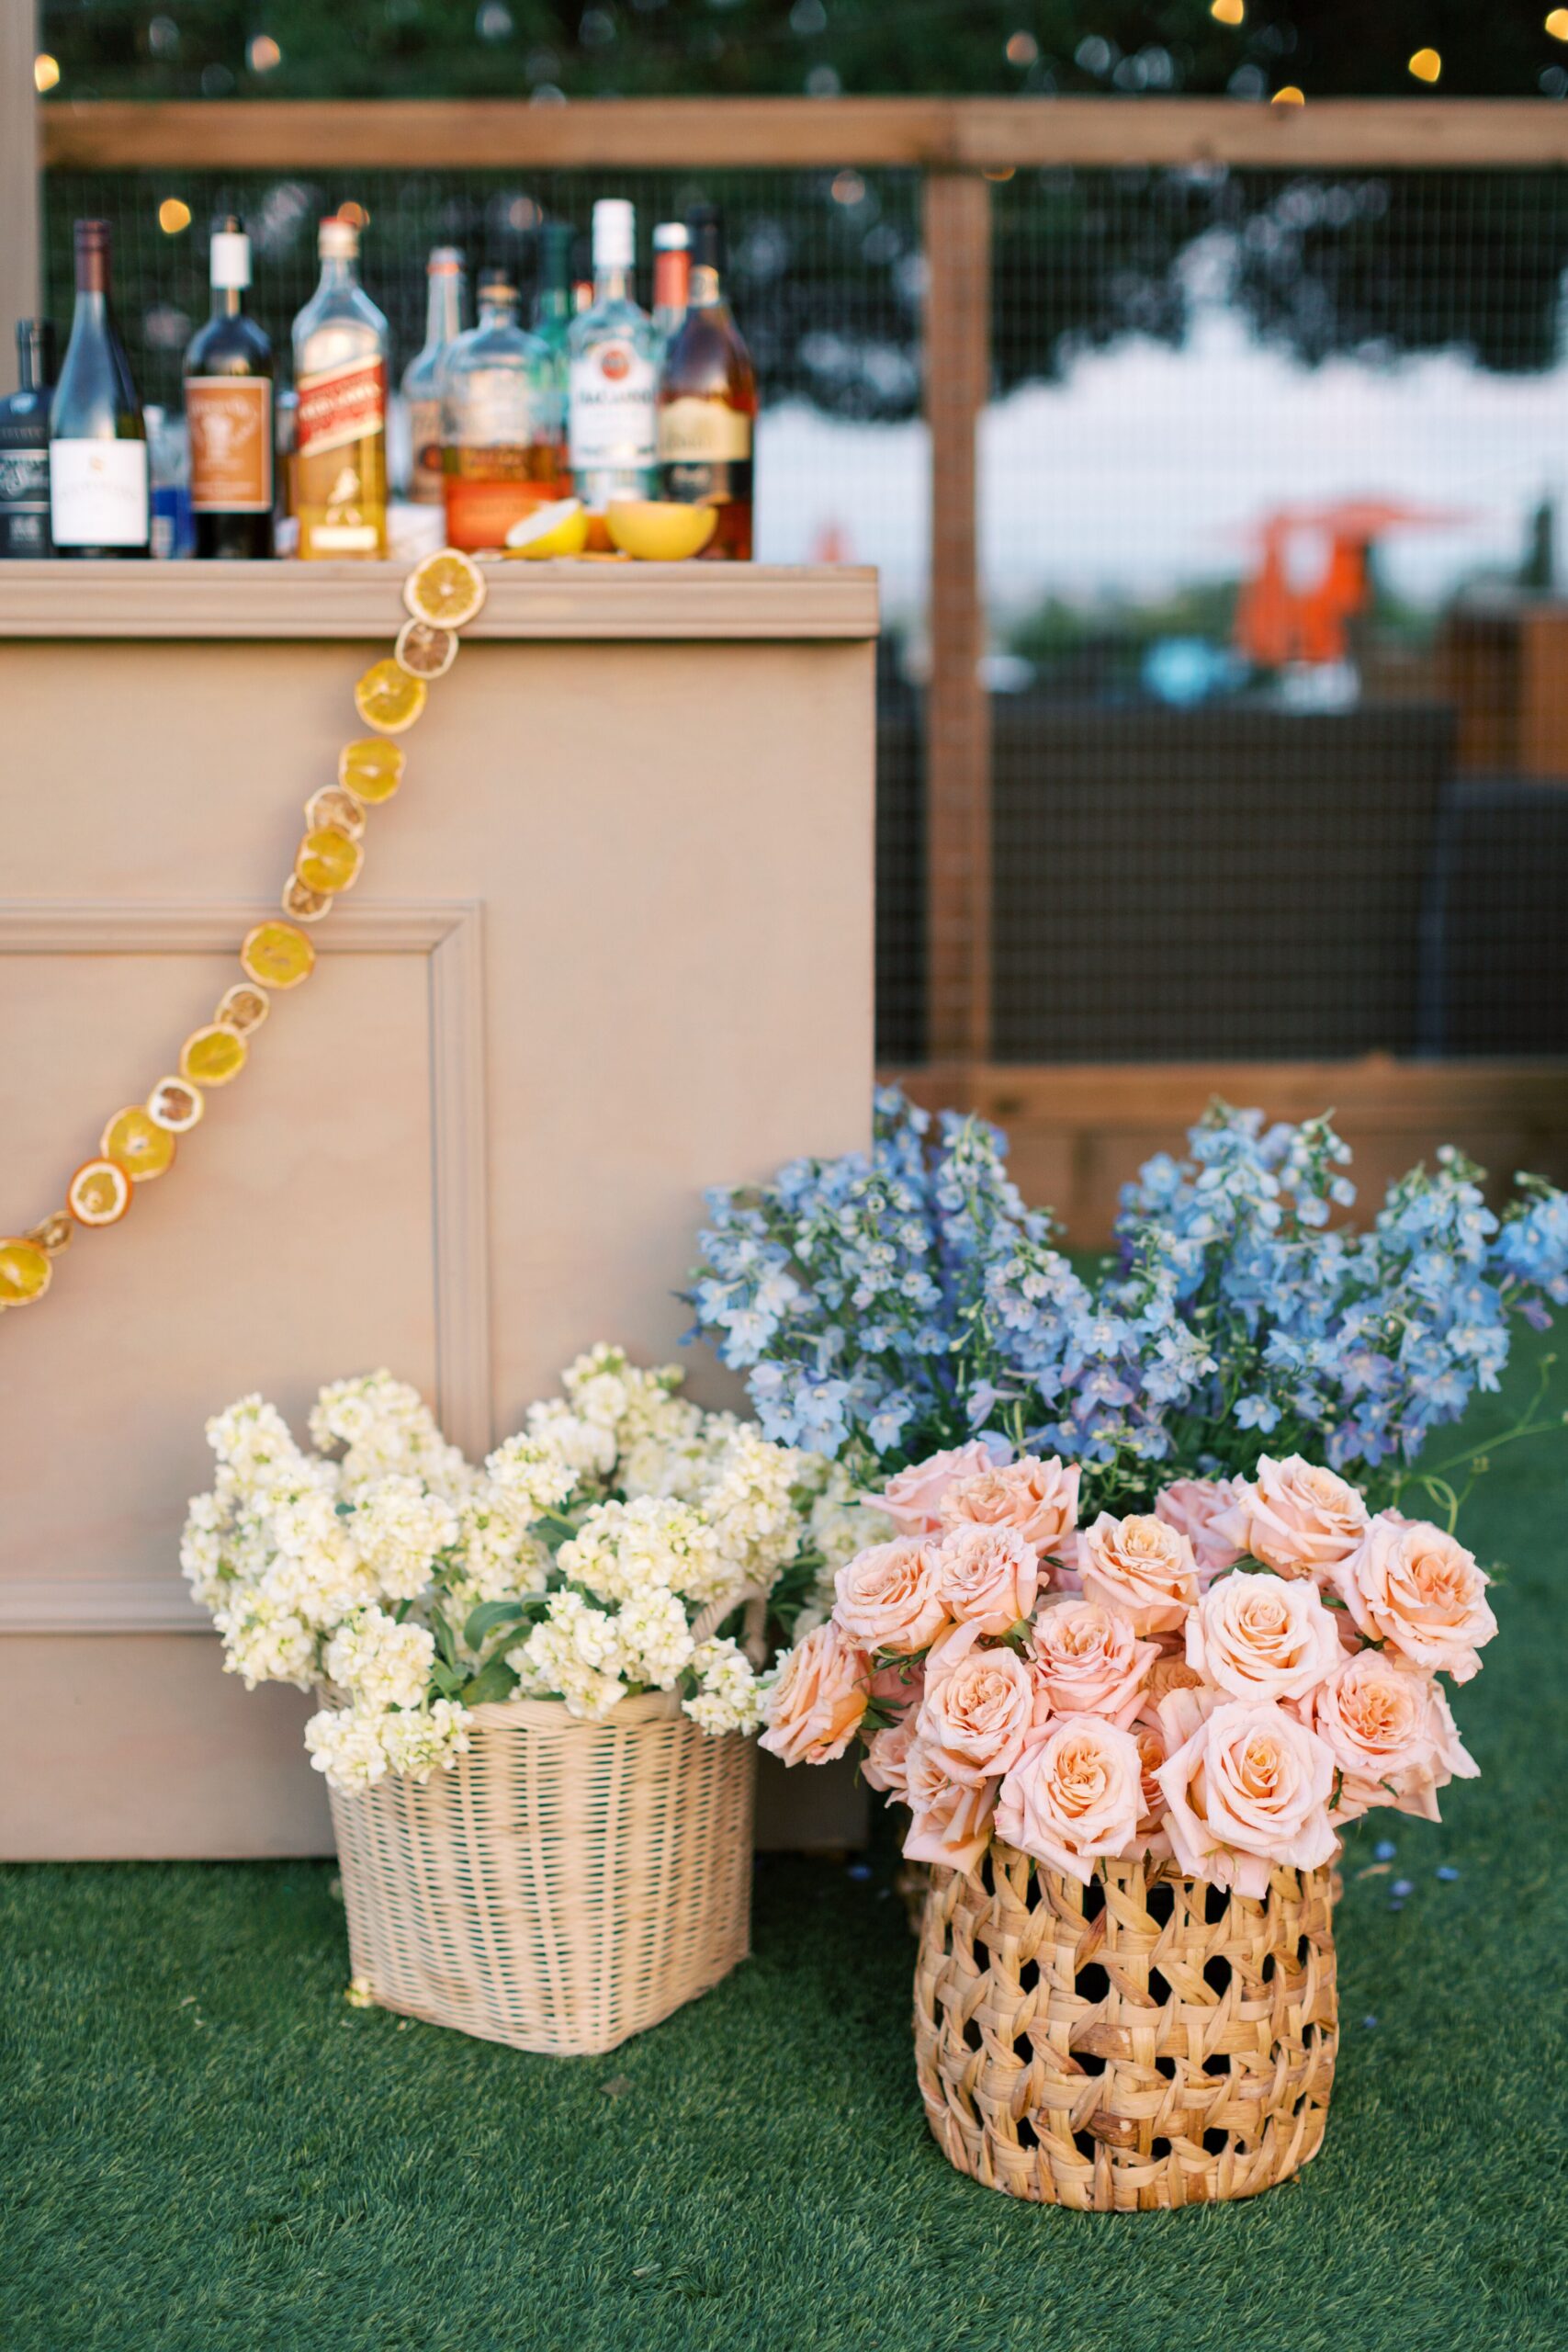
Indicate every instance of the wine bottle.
{"type": "Point", "coordinates": [24, 443]}
{"type": "Point", "coordinates": [99, 502]}
{"type": "Point", "coordinates": [421, 377]}
{"type": "Point", "coordinates": [228, 388]}
{"type": "Point", "coordinates": [708, 403]}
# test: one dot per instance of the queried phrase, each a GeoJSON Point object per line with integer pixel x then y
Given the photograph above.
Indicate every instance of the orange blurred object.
{"type": "Point", "coordinates": [1313, 576]}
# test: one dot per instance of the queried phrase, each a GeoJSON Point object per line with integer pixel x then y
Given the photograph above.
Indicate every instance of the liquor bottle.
{"type": "Point", "coordinates": [500, 423]}
{"type": "Point", "coordinates": [421, 377]}
{"type": "Point", "coordinates": [612, 364]}
{"type": "Point", "coordinates": [99, 500]}
{"type": "Point", "coordinates": [24, 444]}
{"type": "Point", "coordinates": [340, 377]}
{"type": "Point", "coordinates": [168, 468]}
{"type": "Point", "coordinates": [707, 403]}
{"type": "Point", "coordinates": [553, 301]}
{"type": "Point", "coordinates": [672, 277]}
{"type": "Point", "coordinates": [229, 416]}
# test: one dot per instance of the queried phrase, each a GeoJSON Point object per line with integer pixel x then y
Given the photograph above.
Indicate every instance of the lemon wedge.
{"type": "Point", "coordinates": [556, 527]}
{"type": "Point", "coordinates": [660, 530]}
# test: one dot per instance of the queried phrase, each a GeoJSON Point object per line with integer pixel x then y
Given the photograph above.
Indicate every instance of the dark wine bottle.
{"type": "Point", "coordinates": [708, 403]}
{"type": "Point", "coordinates": [228, 390]}
{"type": "Point", "coordinates": [24, 443]}
{"type": "Point", "coordinates": [99, 503]}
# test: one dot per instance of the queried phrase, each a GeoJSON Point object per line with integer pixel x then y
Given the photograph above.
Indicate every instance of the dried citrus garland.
{"type": "Point", "coordinates": [138, 1143]}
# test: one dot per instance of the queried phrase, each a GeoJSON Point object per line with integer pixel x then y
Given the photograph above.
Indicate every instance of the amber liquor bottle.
{"type": "Point", "coordinates": [708, 403]}
{"type": "Point", "coordinates": [340, 376]}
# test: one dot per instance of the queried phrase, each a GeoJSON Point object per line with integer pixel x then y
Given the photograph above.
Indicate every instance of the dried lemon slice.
{"type": "Point", "coordinates": [25, 1271]}
{"type": "Point", "coordinates": [372, 769]}
{"type": "Point", "coordinates": [243, 1007]}
{"type": "Point", "coordinates": [334, 805]}
{"type": "Point", "coordinates": [328, 860]}
{"type": "Point", "coordinates": [52, 1232]}
{"type": "Point", "coordinates": [445, 590]}
{"type": "Point", "coordinates": [211, 1056]}
{"type": "Point", "coordinates": [387, 699]}
{"type": "Point", "coordinates": [176, 1104]}
{"type": "Point", "coordinates": [275, 956]}
{"type": "Point", "coordinates": [99, 1192]}
{"type": "Point", "coordinates": [305, 906]}
{"type": "Point", "coordinates": [425, 650]}
{"type": "Point", "coordinates": [134, 1141]}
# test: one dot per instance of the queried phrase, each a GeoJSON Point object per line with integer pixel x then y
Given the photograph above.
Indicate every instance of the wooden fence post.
{"type": "Point", "coordinates": [18, 174]}
{"type": "Point", "coordinates": [957, 224]}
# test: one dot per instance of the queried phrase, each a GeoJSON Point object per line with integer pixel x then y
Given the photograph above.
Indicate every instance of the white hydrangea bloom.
{"type": "Point", "coordinates": [532, 1476]}
{"type": "Point", "coordinates": [655, 1639]}
{"type": "Point", "coordinates": [348, 1747]}
{"type": "Point", "coordinates": [400, 1528]}
{"type": "Point", "coordinates": [730, 1696]}
{"type": "Point", "coordinates": [627, 1548]}
{"type": "Point", "coordinates": [419, 1742]}
{"type": "Point", "coordinates": [378, 1662]}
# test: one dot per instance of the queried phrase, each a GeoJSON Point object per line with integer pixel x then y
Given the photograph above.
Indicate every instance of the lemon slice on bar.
{"type": "Point", "coordinates": [99, 1192]}
{"type": "Point", "coordinates": [387, 699]}
{"type": "Point", "coordinates": [372, 769]}
{"type": "Point", "coordinates": [445, 590]}
{"type": "Point", "coordinates": [660, 530]}
{"type": "Point", "coordinates": [277, 955]}
{"type": "Point", "coordinates": [134, 1141]}
{"type": "Point", "coordinates": [212, 1055]}
{"type": "Point", "coordinates": [556, 527]}
{"type": "Point", "coordinates": [26, 1270]}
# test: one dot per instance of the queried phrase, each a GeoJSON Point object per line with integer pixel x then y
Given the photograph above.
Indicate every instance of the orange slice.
{"type": "Point", "coordinates": [134, 1141]}
{"type": "Point", "coordinates": [176, 1104]}
{"type": "Point", "coordinates": [277, 955]}
{"type": "Point", "coordinates": [25, 1271]}
{"type": "Point", "coordinates": [425, 650]}
{"type": "Point", "coordinates": [52, 1232]}
{"type": "Point", "coordinates": [243, 1007]}
{"type": "Point", "coordinates": [370, 769]}
{"type": "Point", "coordinates": [387, 699]}
{"type": "Point", "coordinates": [328, 860]}
{"type": "Point", "coordinates": [305, 906]}
{"type": "Point", "coordinates": [445, 590]}
{"type": "Point", "coordinates": [99, 1192]}
{"type": "Point", "coordinates": [334, 805]}
{"type": "Point", "coordinates": [211, 1056]}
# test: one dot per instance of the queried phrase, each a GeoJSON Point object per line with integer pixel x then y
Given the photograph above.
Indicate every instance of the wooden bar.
{"type": "Point", "coordinates": [19, 129]}
{"type": "Point", "coordinates": [958, 750]}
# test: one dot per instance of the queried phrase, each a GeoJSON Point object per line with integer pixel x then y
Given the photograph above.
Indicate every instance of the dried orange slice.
{"type": "Point", "coordinates": [445, 590]}
{"type": "Point", "coordinates": [243, 1007]}
{"type": "Point", "coordinates": [277, 955]}
{"type": "Point", "coordinates": [176, 1104]}
{"type": "Point", "coordinates": [425, 650]}
{"type": "Point", "coordinates": [305, 906]}
{"type": "Point", "coordinates": [25, 1271]}
{"type": "Point", "coordinates": [334, 805]}
{"type": "Point", "coordinates": [387, 699]}
{"type": "Point", "coordinates": [52, 1232]}
{"type": "Point", "coordinates": [328, 860]}
{"type": "Point", "coordinates": [211, 1056]}
{"type": "Point", "coordinates": [99, 1192]}
{"type": "Point", "coordinates": [372, 769]}
{"type": "Point", "coordinates": [134, 1141]}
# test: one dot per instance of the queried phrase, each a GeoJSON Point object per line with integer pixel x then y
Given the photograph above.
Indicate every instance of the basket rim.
{"type": "Point", "coordinates": [516, 1714]}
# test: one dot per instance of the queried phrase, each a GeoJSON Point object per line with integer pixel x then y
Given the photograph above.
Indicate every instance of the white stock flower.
{"type": "Point", "coordinates": [253, 1443]}
{"type": "Point", "coordinates": [388, 1428]}
{"type": "Point", "coordinates": [587, 1448]}
{"type": "Point", "coordinates": [655, 1639]}
{"type": "Point", "coordinates": [574, 1654]}
{"type": "Point", "coordinates": [400, 1528]}
{"type": "Point", "coordinates": [627, 1548]}
{"type": "Point", "coordinates": [417, 1743]}
{"type": "Point", "coordinates": [497, 1557]}
{"type": "Point", "coordinates": [532, 1476]}
{"type": "Point", "coordinates": [378, 1662]}
{"type": "Point", "coordinates": [348, 1748]}
{"type": "Point", "coordinates": [265, 1641]}
{"type": "Point", "coordinates": [729, 1697]}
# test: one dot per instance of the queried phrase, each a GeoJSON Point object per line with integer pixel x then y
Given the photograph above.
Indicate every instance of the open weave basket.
{"type": "Point", "coordinates": [1142, 2041]}
{"type": "Point", "coordinates": [564, 1885]}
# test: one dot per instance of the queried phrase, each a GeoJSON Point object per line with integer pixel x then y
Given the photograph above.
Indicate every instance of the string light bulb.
{"type": "Point", "coordinates": [46, 69]}
{"type": "Point", "coordinates": [173, 216]}
{"type": "Point", "coordinates": [1557, 24]}
{"type": "Point", "coordinates": [1227, 12]}
{"type": "Point", "coordinates": [1426, 65]}
{"type": "Point", "coordinates": [1288, 97]}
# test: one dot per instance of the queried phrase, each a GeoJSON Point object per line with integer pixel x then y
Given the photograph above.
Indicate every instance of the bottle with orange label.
{"type": "Point", "coordinates": [340, 381]}
{"type": "Point", "coordinates": [227, 394]}
{"type": "Point", "coordinates": [708, 403]}
{"type": "Point", "coordinates": [502, 438]}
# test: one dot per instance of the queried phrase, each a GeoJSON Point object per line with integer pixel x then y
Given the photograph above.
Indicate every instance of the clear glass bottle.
{"type": "Point", "coordinates": [229, 411]}
{"type": "Point", "coordinates": [99, 491]}
{"type": "Point", "coordinates": [500, 423]}
{"type": "Point", "coordinates": [707, 403]}
{"type": "Point", "coordinates": [340, 379]}
{"type": "Point", "coordinates": [672, 277]}
{"type": "Point", "coordinates": [168, 460]}
{"type": "Point", "coordinates": [24, 444]}
{"type": "Point", "coordinates": [612, 364]}
{"type": "Point", "coordinates": [421, 377]}
{"type": "Point", "coordinates": [553, 301]}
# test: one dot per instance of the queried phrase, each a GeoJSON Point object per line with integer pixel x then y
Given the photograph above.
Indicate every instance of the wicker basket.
{"type": "Point", "coordinates": [1142, 2041]}
{"type": "Point", "coordinates": [564, 1885]}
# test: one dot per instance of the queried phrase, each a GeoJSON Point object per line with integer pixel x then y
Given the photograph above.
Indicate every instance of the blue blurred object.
{"type": "Point", "coordinates": [1188, 670]}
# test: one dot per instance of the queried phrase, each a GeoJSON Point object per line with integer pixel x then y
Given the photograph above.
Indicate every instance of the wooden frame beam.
{"type": "Point", "coordinates": [19, 129]}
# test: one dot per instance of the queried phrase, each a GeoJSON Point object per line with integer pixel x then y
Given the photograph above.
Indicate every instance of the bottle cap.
{"type": "Point", "coordinates": [445, 260]}
{"type": "Point", "coordinates": [337, 239]}
{"type": "Point", "coordinates": [671, 237]}
{"type": "Point", "coordinates": [615, 234]}
{"type": "Point", "coordinates": [229, 256]}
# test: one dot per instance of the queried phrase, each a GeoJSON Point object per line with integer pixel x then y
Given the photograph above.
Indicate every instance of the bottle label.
{"type": "Point", "coordinates": [341, 404]}
{"type": "Point", "coordinates": [480, 513]}
{"type": "Point", "coordinates": [229, 421]}
{"type": "Point", "coordinates": [612, 390]}
{"type": "Point", "coordinates": [23, 501]}
{"type": "Point", "coordinates": [693, 431]}
{"type": "Point", "coordinates": [424, 436]}
{"type": "Point", "coordinates": [98, 493]}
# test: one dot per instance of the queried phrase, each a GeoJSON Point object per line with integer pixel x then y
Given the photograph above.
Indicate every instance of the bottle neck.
{"type": "Point", "coordinates": [226, 302]}
{"type": "Point", "coordinates": [612, 282]}
{"type": "Point", "coordinates": [92, 307]}
{"type": "Point", "coordinates": [705, 293]}
{"type": "Point", "coordinates": [338, 276]}
{"type": "Point", "coordinates": [442, 309]}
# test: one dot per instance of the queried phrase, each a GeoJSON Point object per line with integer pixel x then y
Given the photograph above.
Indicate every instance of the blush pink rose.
{"type": "Point", "coordinates": [1141, 1568]}
{"type": "Point", "coordinates": [1040, 1498]}
{"type": "Point", "coordinates": [1074, 1796]}
{"type": "Point", "coordinates": [888, 1598]}
{"type": "Point", "coordinates": [973, 1722]}
{"type": "Point", "coordinates": [913, 1499]}
{"type": "Point", "coordinates": [886, 1764]}
{"type": "Point", "coordinates": [1192, 1506]}
{"type": "Point", "coordinates": [1412, 1585]}
{"type": "Point", "coordinates": [1151, 1839]}
{"type": "Point", "coordinates": [1262, 1638]}
{"type": "Point", "coordinates": [1390, 1734]}
{"type": "Point", "coordinates": [1247, 1789]}
{"type": "Point", "coordinates": [813, 1709]}
{"type": "Point", "coordinates": [1297, 1518]}
{"type": "Point", "coordinates": [987, 1577]}
{"type": "Point", "coordinates": [950, 1821]}
{"type": "Point", "coordinates": [1088, 1661]}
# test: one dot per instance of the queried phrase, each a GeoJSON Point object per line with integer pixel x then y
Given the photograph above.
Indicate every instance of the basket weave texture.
{"type": "Point", "coordinates": [564, 1885]}
{"type": "Point", "coordinates": [1140, 2043]}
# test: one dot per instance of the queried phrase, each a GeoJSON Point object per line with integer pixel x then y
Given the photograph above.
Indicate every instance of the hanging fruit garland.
{"type": "Point", "coordinates": [442, 594]}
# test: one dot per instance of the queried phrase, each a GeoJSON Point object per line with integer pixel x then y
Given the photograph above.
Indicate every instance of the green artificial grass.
{"type": "Point", "coordinates": [206, 2150]}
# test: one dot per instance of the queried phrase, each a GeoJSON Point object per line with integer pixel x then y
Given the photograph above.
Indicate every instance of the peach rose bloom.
{"type": "Point", "coordinates": [973, 1722]}
{"type": "Point", "coordinates": [1390, 1732]}
{"type": "Point", "coordinates": [950, 1820]}
{"type": "Point", "coordinates": [1248, 1791]}
{"type": "Point", "coordinates": [987, 1577]}
{"type": "Point", "coordinates": [1141, 1568]}
{"type": "Point", "coordinates": [1297, 1518]}
{"type": "Point", "coordinates": [1040, 1498]}
{"type": "Point", "coordinates": [1088, 1661]}
{"type": "Point", "coordinates": [813, 1709]}
{"type": "Point", "coordinates": [887, 1597]}
{"type": "Point", "coordinates": [886, 1764]}
{"type": "Point", "coordinates": [1074, 1796]}
{"type": "Point", "coordinates": [913, 1499]}
{"type": "Point", "coordinates": [1412, 1585]}
{"type": "Point", "coordinates": [1151, 1839]}
{"type": "Point", "coordinates": [1170, 1674]}
{"type": "Point", "coordinates": [1191, 1506]}
{"type": "Point", "coordinates": [1262, 1638]}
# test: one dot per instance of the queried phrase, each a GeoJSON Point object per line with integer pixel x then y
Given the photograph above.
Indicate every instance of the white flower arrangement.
{"type": "Point", "coordinates": [623, 1540]}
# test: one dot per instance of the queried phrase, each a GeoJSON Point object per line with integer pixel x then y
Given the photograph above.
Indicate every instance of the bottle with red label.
{"type": "Point", "coordinates": [229, 421]}
{"type": "Point", "coordinates": [340, 383]}
{"type": "Point", "coordinates": [502, 428]}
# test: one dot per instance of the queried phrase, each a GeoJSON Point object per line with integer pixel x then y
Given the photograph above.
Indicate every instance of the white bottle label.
{"type": "Point", "coordinates": [612, 390]}
{"type": "Point", "coordinates": [98, 493]}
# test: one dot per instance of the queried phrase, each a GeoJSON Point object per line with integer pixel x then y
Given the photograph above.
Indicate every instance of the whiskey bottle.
{"type": "Point", "coordinates": [502, 425]}
{"type": "Point", "coordinates": [228, 419]}
{"type": "Point", "coordinates": [24, 444]}
{"type": "Point", "coordinates": [99, 492]}
{"type": "Point", "coordinates": [421, 377]}
{"type": "Point", "coordinates": [340, 379]}
{"type": "Point", "coordinates": [611, 363]}
{"type": "Point", "coordinates": [672, 278]}
{"type": "Point", "coordinates": [707, 403]}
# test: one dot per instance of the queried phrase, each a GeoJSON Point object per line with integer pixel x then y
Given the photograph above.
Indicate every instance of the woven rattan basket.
{"type": "Point", "coordinates": [1142, 2041]}
{"type": "Point", "coordinates": [564, 1885]}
